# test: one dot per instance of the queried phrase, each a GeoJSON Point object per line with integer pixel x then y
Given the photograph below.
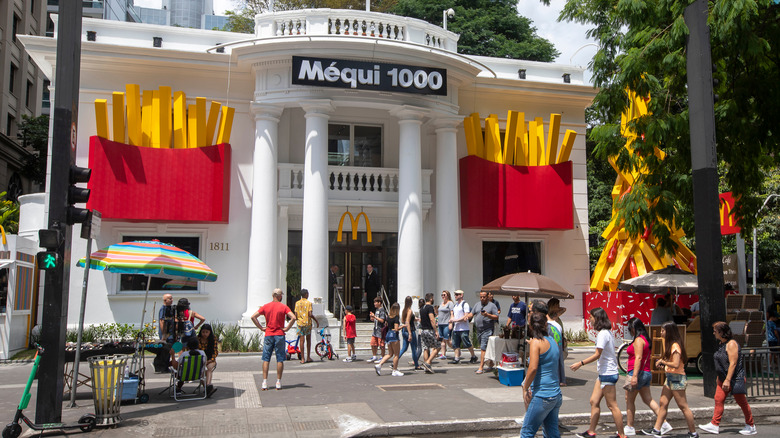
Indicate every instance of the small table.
{"type": "Point", "coordinates": [496, 346]}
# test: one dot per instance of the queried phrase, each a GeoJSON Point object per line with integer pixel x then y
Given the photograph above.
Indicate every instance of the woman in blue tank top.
{"type": "Point", "coordinates": [541, 387]}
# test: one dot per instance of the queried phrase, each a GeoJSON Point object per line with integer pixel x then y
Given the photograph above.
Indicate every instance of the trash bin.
{"type": "Point", "coordinates": [107, 376]}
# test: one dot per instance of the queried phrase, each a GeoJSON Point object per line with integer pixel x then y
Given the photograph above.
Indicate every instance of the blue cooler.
{"type": "Point", "coordinates": [511, 376]}
{"type": "Point", "coordinates": [129, 388]}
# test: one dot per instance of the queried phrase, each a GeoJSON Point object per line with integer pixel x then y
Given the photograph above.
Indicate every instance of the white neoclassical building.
{"type": "Point", "coordinates": [335, 111]}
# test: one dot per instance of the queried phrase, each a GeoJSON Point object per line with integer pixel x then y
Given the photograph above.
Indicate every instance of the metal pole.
{"type": "Point", "coordinates": [705, 183]}
{"type": "Point", "coordinates": [48, 404]}
{"type": "Point", "coordinates": [75, 379]}
{"type": "Point", "coordinates": [741, 277]}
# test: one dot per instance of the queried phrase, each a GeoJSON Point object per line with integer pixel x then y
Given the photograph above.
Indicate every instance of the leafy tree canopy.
{"type": "Point", "coordinates": [33, 133]}
{"type": "Point", "coordinates": [642, 47]}
{"type": "Point", "coordinates": [486, 27]}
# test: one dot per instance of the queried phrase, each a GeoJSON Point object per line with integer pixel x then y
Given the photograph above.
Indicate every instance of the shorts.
{"type": "Point", "coordinates": [461, 337]}
{"type": "Point", "coordinates": [376, 341]}
{"type": "Point", "coordinates": [391, 336]}
{"type": "Point", "coordinates": [304, 330]}
{"type": "Point", "coordinates": [642, 380]}
{"type": "Point", "coordinates": [676, 382]}
{"type": "Point", "coordinates": [428, 339]}
{"type": "Point", "coordinates": [483, 337]}
{"type": "Point", "coordinates": [444, 331]}
{"type": "Point", "coordinates": [350, 341]}
{"type": "Point", "coordinates": [608, 379]}
{"type": "Point", "coordinates": [274, 344]}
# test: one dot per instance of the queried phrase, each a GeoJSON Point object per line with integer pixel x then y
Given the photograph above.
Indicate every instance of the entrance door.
{"type": "Point", "coordinates": [351, 281]}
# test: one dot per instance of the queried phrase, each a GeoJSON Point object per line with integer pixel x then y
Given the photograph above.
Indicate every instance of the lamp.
{"type": "Point", "coordinates": [567, 78]}
{"type": "Point", "coordinates": [157, 41]}
{"type": "Point", "coordinates": [91, 35]}
{"type": "Point", "coordinates": [521, 74]}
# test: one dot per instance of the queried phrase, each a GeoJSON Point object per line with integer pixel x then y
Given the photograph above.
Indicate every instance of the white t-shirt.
{"type": "Point", "coordinates": [607, 364]}
{"type": "Point", "coordinates": [459, 311]}
{"type": "Point", "coordinates": [695, 307]}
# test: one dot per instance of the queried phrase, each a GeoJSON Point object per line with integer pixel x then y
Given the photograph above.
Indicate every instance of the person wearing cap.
{"type": "Point", "coordinates": [459, 326]}
{"type": "Point", "coordinates": [186, 318]}
{"type": "Point", "coordinates": [275, 314]}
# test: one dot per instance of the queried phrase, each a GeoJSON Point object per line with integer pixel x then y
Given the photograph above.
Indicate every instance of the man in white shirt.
{"type": "Point", "coordinates": [459, 326]}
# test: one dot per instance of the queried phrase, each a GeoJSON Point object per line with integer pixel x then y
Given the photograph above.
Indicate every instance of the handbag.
{"type": "Point", "coordinates": [384, 331]}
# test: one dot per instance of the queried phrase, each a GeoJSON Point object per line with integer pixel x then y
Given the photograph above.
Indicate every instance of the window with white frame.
{"type": "Point", "coordinates": [354, 145]}
{"type": "Point", "coordinates": [137, 283]}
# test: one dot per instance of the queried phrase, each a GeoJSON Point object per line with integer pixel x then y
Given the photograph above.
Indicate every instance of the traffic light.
{"type": "Point", "coordinates": [47, 260]}
{"type": "Point", "coordinates": [77, 195]}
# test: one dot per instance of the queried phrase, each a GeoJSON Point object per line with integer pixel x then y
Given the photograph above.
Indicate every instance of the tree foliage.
{"type": "Point", "coordinates": [33, 133]}
{"type": "Point", "coordinates": [642, 47]}
{"type": "Point", "coordinates": [486, 27]}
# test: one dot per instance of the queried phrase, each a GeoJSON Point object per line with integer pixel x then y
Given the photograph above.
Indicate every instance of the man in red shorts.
{"type": "Point", "coordinates": [275, 313]}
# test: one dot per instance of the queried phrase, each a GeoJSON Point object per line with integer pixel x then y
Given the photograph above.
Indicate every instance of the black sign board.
{"type": "Point", "coordinates": [377, 76]}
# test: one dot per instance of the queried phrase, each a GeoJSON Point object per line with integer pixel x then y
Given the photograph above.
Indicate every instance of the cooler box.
{"type": "Point", "coordinates": [511, 376]}
{"type": "Point", "coordinates": [129, 388]}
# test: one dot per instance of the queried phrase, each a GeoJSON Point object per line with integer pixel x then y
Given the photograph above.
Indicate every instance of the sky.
{"type": "Point", "coordinates": [568, 38]}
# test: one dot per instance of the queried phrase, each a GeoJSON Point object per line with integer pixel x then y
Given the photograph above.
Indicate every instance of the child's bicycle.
{"type": "Point", "coordinates": [324, 348]}
{"type": "Point", "coordinates": [86, 423]}
{"type": "Point", "coordinates": [292, 348]}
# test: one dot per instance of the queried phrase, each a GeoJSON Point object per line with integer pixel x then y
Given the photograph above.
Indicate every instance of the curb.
{"type": "Point", "coordinates": [10, 361]}
{"type": "Point", "coordinates": [516, 423]}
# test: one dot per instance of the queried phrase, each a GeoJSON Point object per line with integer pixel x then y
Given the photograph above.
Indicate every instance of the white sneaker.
{"type": "Point", "coordinates": [264, 386]}
{"type": "Point", "coordinates": [397, 373]}
{"type": "Point", "coordinates": [748, 430]}
{"type": "Point", "coordinates": [665, 428]}
{"type": "Point", "coordinates": [372, 360]}
{"type": "Point", "coordinates": [378, 369]}
{"type": "Point", "coordinates": [710, 428]}
{"type": "Point", "coordinates": [348, 359]}
{"type": "Point", "coordinates": [278, 385]}
{"type": "Point", "coordinates": [629, 431]}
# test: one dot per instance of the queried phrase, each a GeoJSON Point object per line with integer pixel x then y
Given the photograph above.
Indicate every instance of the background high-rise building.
{"type": "Point", "coordinates": [23, 88]}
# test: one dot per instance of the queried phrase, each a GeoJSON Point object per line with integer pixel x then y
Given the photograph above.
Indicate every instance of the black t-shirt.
{"type": "Point", "coordinates": [391, 322]}
{"type": "Point", "coordinates": [425, 319]}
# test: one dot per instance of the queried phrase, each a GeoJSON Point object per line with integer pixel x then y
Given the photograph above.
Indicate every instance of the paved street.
{"type": "Point", "coordinates": [329, 399]}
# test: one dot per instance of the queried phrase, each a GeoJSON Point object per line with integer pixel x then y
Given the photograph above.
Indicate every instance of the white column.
{"type": "Point", "coordinates": [446, 205]}
{"type": "Point", "coordinates": [314, 245]}
{"type": "Point", "coordinates": [410, 216]}
{"type": "Point", "coordinates": [263, 258]}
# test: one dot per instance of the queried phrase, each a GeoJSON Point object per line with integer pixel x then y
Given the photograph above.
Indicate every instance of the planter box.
{"type": "Point", "coordinates": [494, 195]}
{"type": "Point", "coordinates": [144, 184]}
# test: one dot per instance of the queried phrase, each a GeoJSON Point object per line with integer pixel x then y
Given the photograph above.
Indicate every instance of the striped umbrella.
{"type": "Point", "coordinates": [150, 258]}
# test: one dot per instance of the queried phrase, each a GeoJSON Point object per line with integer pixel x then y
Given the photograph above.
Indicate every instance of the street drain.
{"type": "Point", "coordinates": [417, 387]}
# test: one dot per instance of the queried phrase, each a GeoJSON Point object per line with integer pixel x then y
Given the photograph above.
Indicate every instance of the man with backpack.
{"type": "Point", "coordinates": [459, 326]}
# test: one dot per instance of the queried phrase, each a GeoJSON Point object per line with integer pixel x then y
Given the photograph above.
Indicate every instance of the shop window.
{"type": "Point", "coordinates": [502, 258]}
{"type": "Point", "coordinates": [46, 97]}
{"type": "Point", "coordinates": [354, 145]}
{"type": "Point", "coordinates": [10, 125]}
{"type": "Point", "coordinates": [137, 283]}
{"type": "Point", "coordinates": [14, 27]}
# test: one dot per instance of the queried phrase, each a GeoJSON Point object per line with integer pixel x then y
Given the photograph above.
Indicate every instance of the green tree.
{"type": "Point", "coordinates": [34, 134]}
{"type": "Point", "coordinates": [9, 214]}
{"type": "Point", "coordinates": [601, 178]}
{"type": "Point", "coordinates": [642, 48]}
{"type": "Point", "coordinates": [486, 27]}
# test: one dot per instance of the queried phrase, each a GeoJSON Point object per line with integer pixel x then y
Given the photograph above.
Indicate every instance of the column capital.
{"type": "Point", "coordinates": [409, 113]}
{"type": "Point", "coordinates": [264, 111]}
{"type": "Point", "coordinates": [447, 122]}
{"type": "Point", "coordinates": [317, 107]}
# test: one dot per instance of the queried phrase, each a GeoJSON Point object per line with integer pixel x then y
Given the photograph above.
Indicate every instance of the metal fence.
{"type": "Point", "coordinates": [762, 368]}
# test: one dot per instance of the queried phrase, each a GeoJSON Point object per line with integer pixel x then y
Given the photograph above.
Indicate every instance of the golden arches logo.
{"type": "Point", "coordinates": [354, 222]}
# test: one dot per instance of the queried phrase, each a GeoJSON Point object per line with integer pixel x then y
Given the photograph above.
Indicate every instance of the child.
{"type": "Point", "coordinates": [350, 332]}
{"type": "Point", "coordinates": [377, 341]}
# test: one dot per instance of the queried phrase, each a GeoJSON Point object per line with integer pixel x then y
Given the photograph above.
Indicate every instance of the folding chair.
{"type": "Point", "coordinates": [191, 369]}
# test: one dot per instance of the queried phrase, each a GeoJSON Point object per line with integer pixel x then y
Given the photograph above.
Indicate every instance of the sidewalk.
{"type": "Point", "coordinates": [334, 399]}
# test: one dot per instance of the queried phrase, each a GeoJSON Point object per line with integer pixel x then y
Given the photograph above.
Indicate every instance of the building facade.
{"type": "Point", "coordinates": [344, 120]}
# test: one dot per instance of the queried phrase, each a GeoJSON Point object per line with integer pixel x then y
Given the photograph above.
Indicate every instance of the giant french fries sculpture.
{"type": "Point", "coordinates": [624, 257]}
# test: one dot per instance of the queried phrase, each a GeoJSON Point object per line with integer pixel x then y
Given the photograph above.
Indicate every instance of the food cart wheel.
{"type": "Point", "coordinates": [88, 422]}
{"type": "Point", "coordinates": [700, 363]}
{"type": "Point", "coordinates": [143, 398]}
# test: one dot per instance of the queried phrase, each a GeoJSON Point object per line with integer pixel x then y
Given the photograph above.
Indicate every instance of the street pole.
{"type": "Point", "coordinates": [80, 329]}
{"type": "Point", "coordinates": [755, 240]}
{"type": "Point", "coordinates": [705, 183]}
{"type": "Point", "coordinates": [48, 405]}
